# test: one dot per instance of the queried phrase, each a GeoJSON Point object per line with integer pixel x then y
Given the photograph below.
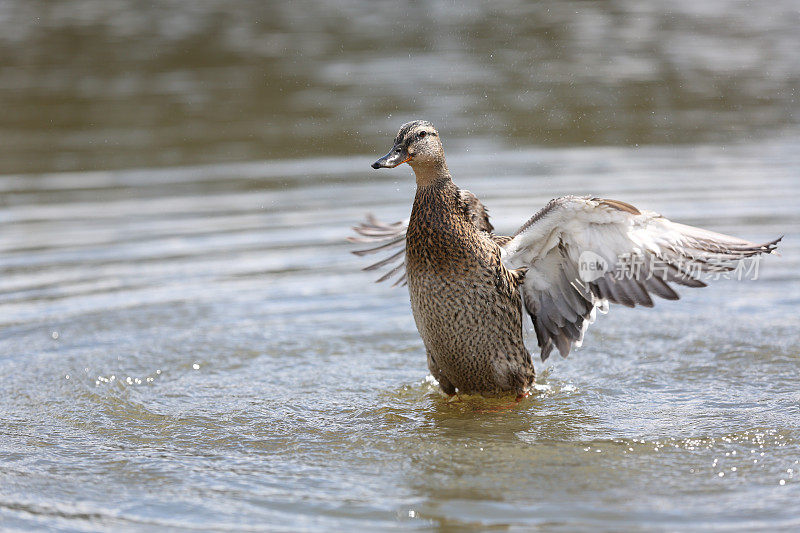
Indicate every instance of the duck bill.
{"type": "Point", "coordinates": [396, 156]}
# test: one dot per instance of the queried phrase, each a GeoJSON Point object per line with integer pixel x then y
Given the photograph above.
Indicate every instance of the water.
{"type": "Point", "coordinates": [216, 359]}
{"type": "Point", "coordinates": [125, 84]}
{"type": "Point", "coordinates": [186, 343]}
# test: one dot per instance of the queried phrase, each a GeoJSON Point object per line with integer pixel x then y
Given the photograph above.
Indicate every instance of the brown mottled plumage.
{"type": "Point", "coordinates": [465, 302]}
{"type": "Point", "coordinates": [571, 259]}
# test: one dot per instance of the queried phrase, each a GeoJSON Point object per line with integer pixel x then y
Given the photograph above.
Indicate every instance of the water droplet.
{"type": "Point", "coordinates": [54, 335]}
{"type": "Point", "coordinates": [782, 482]}
{"type": "Point", "coordinates": [66, 377]}
{"type": "Point", "coordinates": [196, 366]}
{"type": "Point", "coordinates": [721, 474]}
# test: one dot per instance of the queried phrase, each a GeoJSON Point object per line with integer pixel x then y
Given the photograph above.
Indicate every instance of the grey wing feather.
{"type": "Point", "coordinates": [385, 238]}
{"type": "Point", "coordinates": [641, 253]}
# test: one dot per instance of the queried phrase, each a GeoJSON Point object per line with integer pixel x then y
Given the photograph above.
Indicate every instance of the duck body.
{"type": "Point", "coordinates": [466, 303]}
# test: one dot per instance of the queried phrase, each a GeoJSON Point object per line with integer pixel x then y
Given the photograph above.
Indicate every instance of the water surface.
{"type": "Point", "coordinates": [195, 347]}
{"type": "Point", "coordinates": [186, 342]}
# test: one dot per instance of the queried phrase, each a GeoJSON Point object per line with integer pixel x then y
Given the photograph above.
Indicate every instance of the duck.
{"type": "Point", "coordinates": [470, 288]}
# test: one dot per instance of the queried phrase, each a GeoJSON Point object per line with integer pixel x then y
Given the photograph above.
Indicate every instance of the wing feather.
{"type": "Point", "coordinates": [388, 238]}
{"type": "Point", "coordinates": [583, 253]}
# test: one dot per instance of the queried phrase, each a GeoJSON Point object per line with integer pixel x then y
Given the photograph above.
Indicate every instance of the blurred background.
{"type": "Point", "coordinates": [186, 342]}
{"type": "Point", "coordinates": [99, 84]}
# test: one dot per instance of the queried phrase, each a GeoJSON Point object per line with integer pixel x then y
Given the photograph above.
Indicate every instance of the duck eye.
{"type": "Point", "coordinates": [422, 134]}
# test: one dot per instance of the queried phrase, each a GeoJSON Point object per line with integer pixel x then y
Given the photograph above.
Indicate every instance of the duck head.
{"type": "Point", "coordinates": [418, 144]}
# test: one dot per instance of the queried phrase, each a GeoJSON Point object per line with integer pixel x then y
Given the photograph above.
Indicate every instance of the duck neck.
{"type": "Point", "coordinates": [433, 174]}
{"type": "Point", "coordinates": [436, 195]}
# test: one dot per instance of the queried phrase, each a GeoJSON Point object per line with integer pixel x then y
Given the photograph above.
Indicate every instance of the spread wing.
{"type": "Point", "coordinates": [582, 253]}
{"type": "Point", "coordinates": [391, 238]}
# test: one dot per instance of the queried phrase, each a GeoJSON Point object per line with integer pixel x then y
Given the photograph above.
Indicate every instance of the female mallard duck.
{"type": "Point", "coordinates": [572, 258]}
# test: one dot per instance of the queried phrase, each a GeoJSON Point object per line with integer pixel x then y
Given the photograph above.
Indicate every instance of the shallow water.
{"type": "Point", "coordinates": [195, 347]}
{"type": "Point", "coordinates": [186, 342]}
